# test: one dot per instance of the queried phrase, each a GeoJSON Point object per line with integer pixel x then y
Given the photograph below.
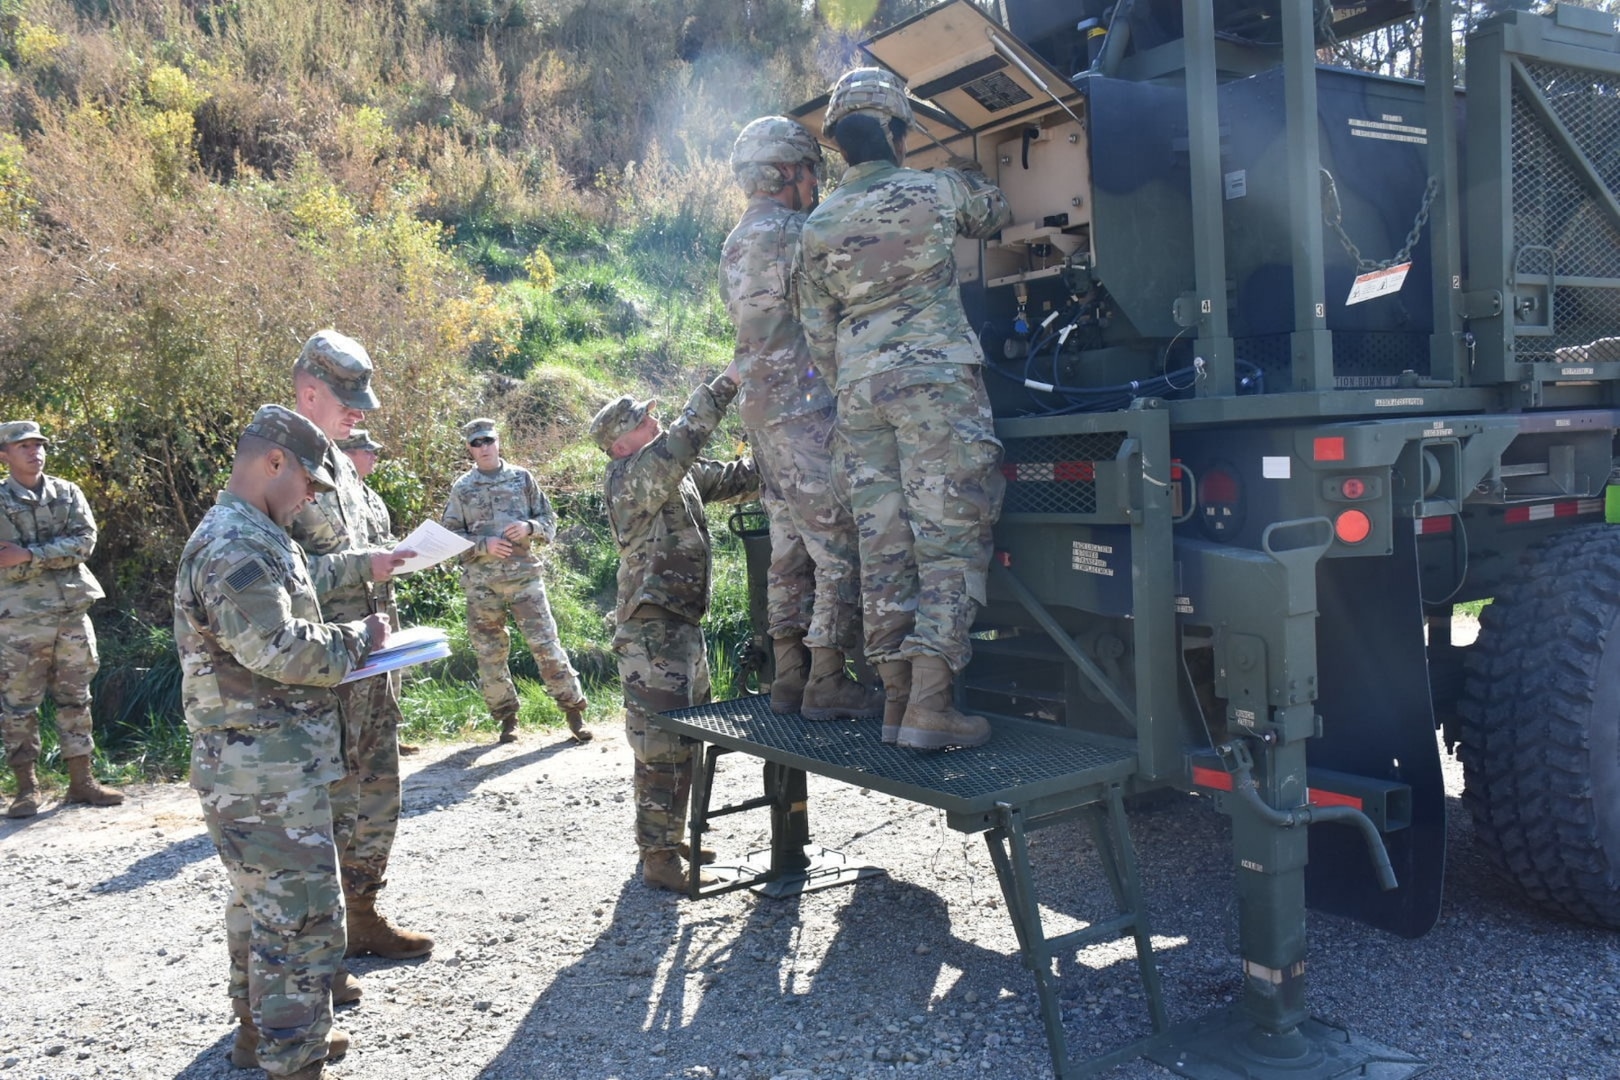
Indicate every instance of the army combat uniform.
{"type": "Point", "coordinates": [877, 294]}
{"type": "Point", "coordinates": [258, 669]}
{"type": "Point", "coordinates": [48, 644]}
{"type": "Point", "coordinates": [655, 503]}
{"type": "Point", "coordinates": [481, 505]}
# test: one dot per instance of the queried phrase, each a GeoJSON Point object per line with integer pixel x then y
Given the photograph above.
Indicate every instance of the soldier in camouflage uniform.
{"type": "Point", "coordinates": [48, 645]}
{"type": "Point", "coordinates": [655, 490]}
{"type": "Point", "coordinates": [362, 450]}
{"type": "Point", "coordinates": [332, 383]}
{"type": "Point", "coordinates": [877, 292]}
{"type": "Point", "coordinates": [504, 513]}
{"type": "Point", "coordinates": [787, 408]}
{"type": "Point", "coordinates": [258, 667]}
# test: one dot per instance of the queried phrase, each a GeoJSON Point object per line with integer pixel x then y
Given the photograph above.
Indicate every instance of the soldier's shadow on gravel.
{"type": "Point", "coordinates": [150, 869]}
{"type": "Point", "coordinates": [451, 779]}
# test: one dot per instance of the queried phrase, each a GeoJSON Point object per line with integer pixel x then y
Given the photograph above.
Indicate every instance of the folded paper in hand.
{"type": "Point", "coordinates": [433, 543]}
{"type": "Point", "coordinates": [407, 648]}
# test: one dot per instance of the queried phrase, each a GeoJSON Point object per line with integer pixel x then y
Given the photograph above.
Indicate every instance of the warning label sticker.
{"type": "Point", "coordinates": [1378, 283]}
{"type": "Point", "coordinates": [1092, 558]}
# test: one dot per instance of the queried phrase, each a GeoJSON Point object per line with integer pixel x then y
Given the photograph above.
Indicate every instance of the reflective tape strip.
{"type": "Point", "coordinates": [1047, 472]}
{"type": "Point", "coordinates": [1516, 515]}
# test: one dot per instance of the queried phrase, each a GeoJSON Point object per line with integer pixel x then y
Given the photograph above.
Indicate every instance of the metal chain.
{"type": "Point", "coordinates": [1333, 213]}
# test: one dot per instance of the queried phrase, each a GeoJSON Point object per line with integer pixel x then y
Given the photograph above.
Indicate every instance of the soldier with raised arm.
{"type": "Point", "coordinates": [878, 298]}
{"type": "Point", "coordinates": [655, 489]}
{"type": "Point", "coordinates": [500, 508]}
{"type": "Point", "coordinates": [258, 669]}
{"type": "Point", "coordinates": [48, 644]}
{"type": "Point", "coordinates": [332, 386]}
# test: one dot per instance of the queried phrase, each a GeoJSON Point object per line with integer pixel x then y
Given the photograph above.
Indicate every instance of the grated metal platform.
{"type": "Point", "coordinates": [1025, 763]}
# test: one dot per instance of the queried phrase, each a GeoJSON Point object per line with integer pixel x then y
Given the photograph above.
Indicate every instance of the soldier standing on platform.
{"type": "Point", "coordinates": [501, 509]}
{"type": "Point", "coordinates": [878, 298]}
{"type": "Point", "coordinates": [788, 410]}
{"type": "Point", "coordinates": [48, 644]}
{"type": "Point", "coordinates": [332, 384]}
{"type": "Point", "coordinates": [258, 667]}
{"type": "Point", "coordinates": [655, 489]}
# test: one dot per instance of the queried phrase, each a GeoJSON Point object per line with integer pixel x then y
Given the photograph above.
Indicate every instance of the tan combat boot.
{"type": "Point", "coordinates": [705, 855]}
{"type": "Point", "coordinates": [830, 694]}
{"type": "Point", "coordinates": [82, 787]}
{"type": "Point", "coordinates": [370, 932]}
{"type": "Point", "coordinates": [245, 1050]}
{"type": "Point", "coordinates": [931, 721]}
{"type": "Point", "coordinates": [26, 802]}
{"type": "Point", "coordinates": [664, 870]}
{"type": "Point", "coordinates": [792, 669]}
{"type": "Point", "coordinates": [575, 715]}
{"type": "Point", "coordinates": [896, 675]}
{"type": "Point", "coordinates": [509, 728]}
{"type": "Point", "coordinates": [346, 989]}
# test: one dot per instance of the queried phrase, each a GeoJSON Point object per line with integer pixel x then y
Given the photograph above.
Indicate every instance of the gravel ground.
{"type": "Point", "coordinates": [553, 960]}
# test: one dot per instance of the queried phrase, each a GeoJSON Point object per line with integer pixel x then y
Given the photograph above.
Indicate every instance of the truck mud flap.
{"type": "Point", "coordinates": [1378, 722]}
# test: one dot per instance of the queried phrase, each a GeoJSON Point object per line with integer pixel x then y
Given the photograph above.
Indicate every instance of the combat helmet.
{"type": "Point", "coordinates": [868, 88]}
{"type": "Point", "coordinates": [774, 140]}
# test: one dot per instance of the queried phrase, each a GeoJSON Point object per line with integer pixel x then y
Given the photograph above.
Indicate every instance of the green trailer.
{"type": "Point", "coordinates": [1288, 361]}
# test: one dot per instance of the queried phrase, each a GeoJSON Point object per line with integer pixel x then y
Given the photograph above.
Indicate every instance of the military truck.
{"type": "Point", "coordinates": [1289, 360]}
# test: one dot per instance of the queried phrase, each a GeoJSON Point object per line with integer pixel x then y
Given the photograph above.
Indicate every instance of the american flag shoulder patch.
{"type": "Point", "coordinates": [244, 575]}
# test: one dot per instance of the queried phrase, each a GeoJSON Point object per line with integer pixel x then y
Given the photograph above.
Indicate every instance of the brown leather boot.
{"type": "Point", "coordinates": [370, 932]}
{"type": "Point", "coordinates": [830, 694]}
{"type": "Point", "coordinates": [508, 729]}
{"type": "Point", "coordinates": [792, 669]}
{"type": "Point", "coordinates": [896, 675]}
{"type": "Point", "coordinates": [346, 989]}
{"type": "Point", "coordinates": [931, 721]}
{"type": "Point", "coordinates": [245, 1050]}
{"type": "Point", "coordinates": [575, 715]}
{"type": "Point", "coordinates": [664, 870]}
{"type": "Point", "coordinates": [82, 787]}
{"type": "Point", "coordinates": [26, 802]}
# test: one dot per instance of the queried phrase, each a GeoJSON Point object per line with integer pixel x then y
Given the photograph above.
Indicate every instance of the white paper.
{"type": "Point", "coordinates": [433, 543]}
{"type": "Point", "coordinates": [407, 648]}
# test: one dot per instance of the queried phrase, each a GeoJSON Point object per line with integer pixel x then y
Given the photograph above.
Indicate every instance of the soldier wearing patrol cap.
{"type": "Point", "coordinates": [259, 665]}
{"type": "Point", "coordinates": [812, 594]}
{"type": "Point", "coordinates": [877, 295]}
{"type": "Point", "coordinates": [655, 489]}
{"type": "Point", "coordinates": [332, 383]}
{"type": "Point", "coordinates": [499, 507]}
{"type": "Point", "coordinates": [48, 646]}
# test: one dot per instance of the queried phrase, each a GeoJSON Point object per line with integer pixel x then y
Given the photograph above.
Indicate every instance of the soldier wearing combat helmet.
{"type": "Point", "coordinates": [786, 405]}
{"type": "Point", "coordinates": [877, 294]}
{"type": "Point", "coordinates": [655, 488]}
{"type": "Point", "coordinates": [48, 646]}
{"type": "Point", "coordinates": [332, 384]}
{"type": "Point", "coordinates": [259, 665]}
{"type": "Point", "coordinates": [500, 508]}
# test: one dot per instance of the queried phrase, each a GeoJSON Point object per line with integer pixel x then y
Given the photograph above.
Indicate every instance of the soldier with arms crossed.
{"type": "Point", "coordinates": [500, 508]}
{"type": "Point", "coordinates": [258, 667]}
{"type": "Point", "coordinates": [48, 644]}
{"type": "Point", "coordinates": [655, 489]}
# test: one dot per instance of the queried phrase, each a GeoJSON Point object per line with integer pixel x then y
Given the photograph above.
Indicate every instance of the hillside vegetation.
{"type": "Point", "coordinates": [517, 205]}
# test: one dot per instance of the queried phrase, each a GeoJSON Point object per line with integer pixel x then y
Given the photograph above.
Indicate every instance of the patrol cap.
{"type": "Point", "coordinates": [342, 363]}
{"type": "Point", "coordinates": [619, 417]}
{"type": "Point", "coordinates": [298, 436]}
{"type": "Point", "coordinates": [16, 431]}
{"type": "Point", "coordinates": [359, 439]}
{"type": "Point", "coordinates": [478, 429]}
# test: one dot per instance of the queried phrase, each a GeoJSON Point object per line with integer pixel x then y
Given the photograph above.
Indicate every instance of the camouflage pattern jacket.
{"type": "Point", "coordinates": [655, 503]}
{"type": "Point", "coordinates": [334, 532]}
{"type": "Point", "coordinates": [257, 663]}
{"type": "Point", "coordinates": [380, 523]}
{"type": "Point", "coordinates": [56, 526]}
{"type": "Point", "coordinates": [482, 504]}
{"type": "Point", "coordinates": [756, 275]}
{"type": "Point", "coordinates": [876, 281]}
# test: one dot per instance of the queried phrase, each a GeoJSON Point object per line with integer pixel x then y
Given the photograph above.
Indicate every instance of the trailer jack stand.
{"type": "Point", "coordinates": [1227, 1045]}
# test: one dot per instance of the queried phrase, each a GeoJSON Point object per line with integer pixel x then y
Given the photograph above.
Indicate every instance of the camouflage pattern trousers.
{"type": "Point", "coordinates": [920, 450]}
{"type": "Point", "coordinates": [366, 802]}
{"type": "Point", "coordinates": [40, 654]}
{"type": "Point", "coordinates": [814, 579]}
{"type": "Point", "coordinates": [284, 920]}
{"type": "Point", "coordinates": [663, 664]}
{"type": "Point", "coordinates": [489, 599]}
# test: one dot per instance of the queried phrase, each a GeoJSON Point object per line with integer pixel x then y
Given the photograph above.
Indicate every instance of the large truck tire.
{"type": "Point", "coordinates": [1540, 717]}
